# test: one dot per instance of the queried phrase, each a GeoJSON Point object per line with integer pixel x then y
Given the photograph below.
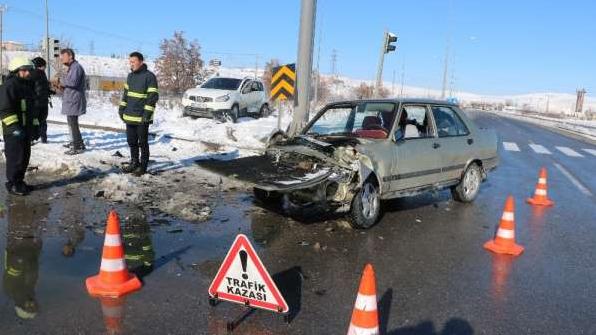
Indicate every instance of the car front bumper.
{"type": "Point", "coordinates": [209, 113]}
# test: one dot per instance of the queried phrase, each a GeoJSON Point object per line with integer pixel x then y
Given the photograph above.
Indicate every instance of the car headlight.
{"type": "Point", "coordinates": [223, 98]}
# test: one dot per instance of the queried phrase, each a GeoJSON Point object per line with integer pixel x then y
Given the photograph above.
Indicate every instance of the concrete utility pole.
{"type": "Point", "coordinates": [445, 70]}
{"type": "Point", "coordinates": [334, 62]}
{"type": "Point", "coordinates": [379, 81]}
{"type": "Point", "coordinates": [2, 9]}
{"type": "Point", "coordinates": [48, 59]}
{"type": "Point", "coordinates": [386, 47]}
{"type": "Point", "coordinates": [304, 66]}
{"type": "Point", "coordinates": [318, 71]}
{"type": "Point", "coordinates": [579, 102]}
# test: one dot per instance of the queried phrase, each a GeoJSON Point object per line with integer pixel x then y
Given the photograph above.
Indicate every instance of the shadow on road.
{"type": "Point", "coordinates": [289, 283]}
{"type": "Point", "coordinates": [455, 326]}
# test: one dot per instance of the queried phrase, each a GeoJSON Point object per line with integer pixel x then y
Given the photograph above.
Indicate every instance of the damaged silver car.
{"type": "Point", "coordinates": [354, 154]}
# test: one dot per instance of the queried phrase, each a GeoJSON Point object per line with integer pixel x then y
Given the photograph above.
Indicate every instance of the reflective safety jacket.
{"type": "Point", "coordinates": [139, 97]}
{"type": "Point", "coordinates": [16, 106]}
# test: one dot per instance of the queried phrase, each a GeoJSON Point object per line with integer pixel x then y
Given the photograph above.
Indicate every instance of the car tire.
{"type": "Point", "coordinates": [267, 197]}
{"type": "Point", "coordinates": [366, 206]}
{"type": "Point", "coordinates": [264, 111]}
{"type": "Point", "coordinates": [233, 114]}
{"type": "Point", "coordinates": [469, 185]}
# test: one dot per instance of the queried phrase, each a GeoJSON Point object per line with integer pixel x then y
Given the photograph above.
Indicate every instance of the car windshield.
{"type": "Point", "coordinates": [228, 84]}
{"type": "Point", "coordinates": [366, 120]}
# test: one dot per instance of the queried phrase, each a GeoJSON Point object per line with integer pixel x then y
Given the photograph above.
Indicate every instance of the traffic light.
{"type": "Point", "coordinates": [55, 48]}
{"type": "Point", "coordinates": [390, 38]}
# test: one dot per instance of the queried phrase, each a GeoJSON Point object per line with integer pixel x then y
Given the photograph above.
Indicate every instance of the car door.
{"type": "Point", "coordinates": [416, 162]}
{"type": "Point", "coordinates": [455, 140]}
{"type": "Point", "coordinates": [254, 97]}
{"type": "Point", "coordinates": [245, 95]}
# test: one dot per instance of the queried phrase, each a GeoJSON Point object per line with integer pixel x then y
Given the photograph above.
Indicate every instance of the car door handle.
{"type": "Point", "coordinates": [470, 141]}
{"type": "Point", "coordinates": [436, 145]}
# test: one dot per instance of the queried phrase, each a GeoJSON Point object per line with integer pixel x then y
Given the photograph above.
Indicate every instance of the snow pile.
{"type": "Point", "coordinates": [119, 187]}
{"type": "Point", "coordinates": [187, 207]}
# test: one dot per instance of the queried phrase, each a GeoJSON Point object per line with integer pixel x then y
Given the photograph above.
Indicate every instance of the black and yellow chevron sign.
{"type": "Point", "coordinates": [282, 82]}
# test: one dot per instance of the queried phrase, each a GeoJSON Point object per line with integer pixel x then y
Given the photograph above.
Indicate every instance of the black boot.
{"type": "Point", "coordinates": [139, 171]}
{"type": "Point", "coordinates": [44, 139]}
{"type": "Point", "coordinates": [67, 145]}
{"type": "Point", "coordinates": [130, 167]}
{"type": "Point", "coordinates": [18, 189]}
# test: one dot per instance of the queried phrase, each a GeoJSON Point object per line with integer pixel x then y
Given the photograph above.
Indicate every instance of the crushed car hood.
{"type": "Point", "coordinates": [301, 163]}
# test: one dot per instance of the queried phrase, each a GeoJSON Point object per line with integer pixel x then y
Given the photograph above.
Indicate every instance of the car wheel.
{"type": "Point", "coordinates": [366, 206]}
{"type": "Point", "coordinates": [265, 111]}
{"type": "Point", "coordinates": [266, 197]}
{"type": "Point", "coordinates": [468, 187]}
{"type": "Point", "coordinates": [233, 114]}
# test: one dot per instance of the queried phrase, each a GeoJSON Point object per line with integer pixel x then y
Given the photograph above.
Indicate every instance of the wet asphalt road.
{"type": "Point", "coordinates": [433, 276]}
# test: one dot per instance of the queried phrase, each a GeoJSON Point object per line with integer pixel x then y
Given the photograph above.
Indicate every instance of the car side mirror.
{"type": "Point", "coordinates": [398, 136]}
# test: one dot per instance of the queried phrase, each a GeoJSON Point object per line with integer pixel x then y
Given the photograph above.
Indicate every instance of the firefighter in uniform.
{"type": "Point", "coordinates": [20, 125]}
{"type": "Point", "coordinates": [136, 110]}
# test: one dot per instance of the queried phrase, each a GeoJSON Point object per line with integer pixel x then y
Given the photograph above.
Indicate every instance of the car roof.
{"type": "Point", "coordinates": [400, 100]}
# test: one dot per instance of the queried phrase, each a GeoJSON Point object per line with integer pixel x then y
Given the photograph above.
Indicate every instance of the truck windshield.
{"type": "Point", "coordinates": [228, 84]}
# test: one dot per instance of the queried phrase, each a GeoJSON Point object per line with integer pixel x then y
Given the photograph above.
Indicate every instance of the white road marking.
{"type": "Point", "coordinates": [573, 180]}
{"type": "Point", "coordinates": [510, 146]}
{"type": "Point", "coordinates": [539, 149]}
{"type": "Point", "coordinates": [569, 152]}
{"type": "Point", "coordinates": [590, 151]}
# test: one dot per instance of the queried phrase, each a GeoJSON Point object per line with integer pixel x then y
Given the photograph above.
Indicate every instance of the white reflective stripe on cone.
{"type": "Point", "coordinates": [111, 312]}
{"type": "Point", "coordinates": [355, 330]}
{"type": "Point", "coordinates": [508, 216]}
{"type": "Point", "coordinates": [540, 192]}
{"type": "Point", "coordinates": [112, 265]}
{"type": "Point", "coordinates": [541, 180]}
{"type": "Point", "coordinates": [505, 233]}
{"type": "Point", "coordinates": [366, 302]}
{"type": "Point", "coordinates": [112, 240]}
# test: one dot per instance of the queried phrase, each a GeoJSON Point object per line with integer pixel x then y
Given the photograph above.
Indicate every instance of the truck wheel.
{"type": "Point", "coordinates": [468, 187]}
{"type": "Point", "coordinates": [366, 206]}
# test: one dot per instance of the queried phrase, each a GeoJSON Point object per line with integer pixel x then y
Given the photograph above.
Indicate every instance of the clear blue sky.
{"type": "Point", "coordinates": [498, 47]}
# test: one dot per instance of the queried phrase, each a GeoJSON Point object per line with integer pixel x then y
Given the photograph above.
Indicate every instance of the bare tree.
{"type": "Point", "coordinates": [268, 73]}
{"type": "Point", "coordinates": [364, 91]}
{"type": "Point", "coordinates": [179, 67]}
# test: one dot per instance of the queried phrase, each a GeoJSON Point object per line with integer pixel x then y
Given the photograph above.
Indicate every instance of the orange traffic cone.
{"type": "Point", "coordinates": [112, 309]}
{"type": "Point", "coordinates": [504, 242]}
{"type": "Point", "coordinates": [365, 319]}
{"type": "Point", "coordinates": [540, 198]}
{"type": "Point", "coordinates": [113, 279]}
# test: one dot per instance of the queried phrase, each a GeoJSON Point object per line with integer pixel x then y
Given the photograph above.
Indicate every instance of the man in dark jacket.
{"type": "Point", "coordinates": [19, 121]}
{"type": "Point", "coordinates": [42, 96]}
{"type": "Point", "coordinates": [74, 102]}
{"type": "Point", "coordinates": [136, 110]}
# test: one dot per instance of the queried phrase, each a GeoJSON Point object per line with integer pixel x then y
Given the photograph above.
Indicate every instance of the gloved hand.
{"type": "Point", "coordinates": [35, 133]}
{"type": "Point", "coordinates": [147, 116]}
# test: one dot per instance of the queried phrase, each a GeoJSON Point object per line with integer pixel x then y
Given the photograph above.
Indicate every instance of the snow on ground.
{"type": "Point", "coordinates": [247, 134]}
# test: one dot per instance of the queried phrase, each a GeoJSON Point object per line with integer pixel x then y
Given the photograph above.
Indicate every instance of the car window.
{"type": "Point", "coordinates": [448, 122]}
{"type": "Point", "coordinates": [255, 86]}
{"type": "Point", "coordinates": [414, 122]}
{"type": "Point", "coordinates": [333, 121]}
{"type": "Point", "coordinates": [228, 84]}
{"type": "Point", "coordinates": [375, 113]}
{"type": "Point", "coordinates": [365, 120]}
{"type": "Point", "coordinates": [247, 87]}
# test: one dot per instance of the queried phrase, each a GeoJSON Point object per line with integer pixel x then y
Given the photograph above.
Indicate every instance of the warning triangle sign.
{"type": "Point", "coordinates": [242, 278]}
